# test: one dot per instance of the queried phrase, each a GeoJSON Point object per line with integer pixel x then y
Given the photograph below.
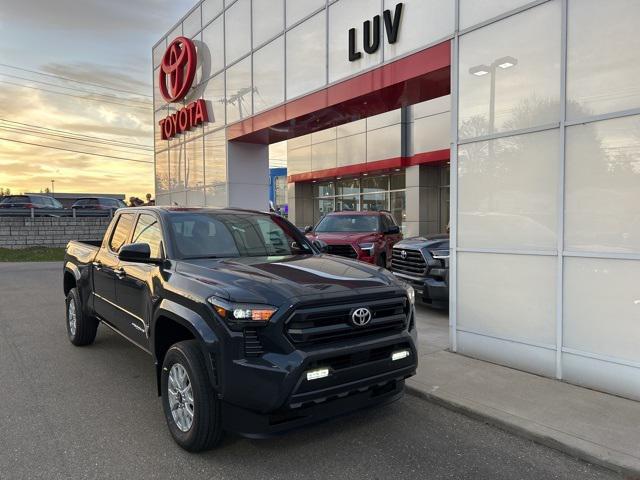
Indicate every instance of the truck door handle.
{"type": "Point", "coordinates": [120, 273]}
{"type": "Point", "coordinates": [97, 265]}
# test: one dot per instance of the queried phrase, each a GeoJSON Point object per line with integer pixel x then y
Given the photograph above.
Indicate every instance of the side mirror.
{"type": "Point", "coordinates": [136, 253]}
{"type": "Point", "coordinates": [321, 245]}
{"type": "Point", "coordinates": [393, 230]}
{"type": "Point", "coordinates": [308, 229]}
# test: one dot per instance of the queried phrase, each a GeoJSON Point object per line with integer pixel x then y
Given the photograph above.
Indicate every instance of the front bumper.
{"type": "Point", "coordinates": [432, 291]}
{"type": "Point", "coordinates": [271, 394]}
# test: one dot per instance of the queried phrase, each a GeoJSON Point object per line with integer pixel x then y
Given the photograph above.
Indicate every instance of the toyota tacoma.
{"type": "Point", "coordinates": [252, 328]}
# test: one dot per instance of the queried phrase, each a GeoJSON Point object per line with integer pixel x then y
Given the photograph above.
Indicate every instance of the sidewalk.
{"type": "Point", "coordinates": [599, 428]}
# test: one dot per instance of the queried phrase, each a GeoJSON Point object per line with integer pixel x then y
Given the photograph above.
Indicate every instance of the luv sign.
{"type": "Point", "coordinates": [371, 38]}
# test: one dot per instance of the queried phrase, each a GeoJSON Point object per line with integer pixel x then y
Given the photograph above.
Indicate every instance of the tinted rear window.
{"type": "Point", "coordinates": [16, 199]}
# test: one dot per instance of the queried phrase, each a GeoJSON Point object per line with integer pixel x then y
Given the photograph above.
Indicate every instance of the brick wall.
{"type": "Point", "coordinates": [49, 232]}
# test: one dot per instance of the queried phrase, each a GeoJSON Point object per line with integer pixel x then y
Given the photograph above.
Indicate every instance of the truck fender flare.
{"type": "Point", "coordinates": [73, 269]}
{"type": "Point", "coordinates": [193, 322]}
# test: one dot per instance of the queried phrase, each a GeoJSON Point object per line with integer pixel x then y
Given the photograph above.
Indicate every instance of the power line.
{"type": "Point", "coordinates": [72, 80]}
{"type": "Point", "coordinates": [75, 151]}
{"type": "Point", "coordinates": [43, 135]}
{"type": "Point", "coordinates": [28, 131]}
{"type": "Point", "coordinates": [112, 97]}
{"type": "Point", "coordinates": [73, 133]}
{"type": "Point", "coordinates": [73, 96]}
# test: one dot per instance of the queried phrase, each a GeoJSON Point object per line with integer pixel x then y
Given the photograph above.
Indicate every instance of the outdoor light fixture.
{"type": "Point", "coordinates": [317, 373]}
{"type": "Point", "coordinates": [479, 70]}
{"type": "Point", "coordinates": [506, 62]}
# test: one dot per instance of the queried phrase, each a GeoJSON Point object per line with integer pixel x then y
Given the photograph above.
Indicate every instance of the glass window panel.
{"type": "Point", "coordinates": [306, 56]}
{"type": "Point", "coordinates": [499, 312]}
{"type": "Point", "coordinates": [194, 173]}
{"type": "Point", "coordinates": [216, 195]}
{"type": "Point", "coordinates": [375, 202]}
{"type": "Point", "coordinates": [215, 158]}
{"type": "Point", "coordinates": [473, 12]}
{"type": "Point", "coordinates": [374, 184]}
{"type": "Point", "coordinates": [323, 155]}
{"type": "Point", "coordinates": [177, 159]}
{"type": "Point", "coordinates": [601, 307]}
{"type": "Point", "coordinates": [342, 17]}
{"type": "Point", "coordinates": [162, 173]}
{"type": "Point", "coordinates": [398, 207]}
{"type": "Point", "coordinates": [239, 91]}
{"type": "Point", "coordinates": [214, 98]}
{"type": "Point", "coordinates": [159, 115]}
{"type": "Point", "coordinates": [352, 128]}
{"type": "Point", "coordinates": [268, 20]}
{"type": "Point", "coordinates": [195, 198]}
{"type": "Point", "coordinates": [602, 57]}
{"type": "Point", "coordinates": [211, 8]}
{"type": "Point", "coordinates": [298, 9]}
{"type": "Point", "coordinates": [323, 135]}
{"type": "Point", "coordinates": [384, 119]}
{"type": "Point", "coordinates": [238, 31]}
{"type": "Point", "coordinates": [299, 160]}
{"type": "Point", "coordinates": [158, 52]}
{"type": "Point", "coordinates": [213, 40]}
{"type": "Point", "coordinates": [526, 72]}
{"type": "Point", "coordinates": [326, 189]}
{"type": "Point", "coordinates": [431, 107]}
{"type": "Point", "coordinates": [423, 23]}
{"type": "Point", "coordinates": [322, 207]}
{"type": "Point", "coordinates": [397, 181]}
{"type": "Point", "coordinates": [507, 192]}
{"type": "Point", "coordinates": [384, 143]}
{"type": "Point", "coordinates": [175, 33]}
{"type": "Point", "coordinates": [430, 133]}
{"type": "Point", "coordinates": [352, 150]}
{"type": "Point", "coordinates": [348, 186]}
{"type": "Point", "coordinates": [179, 198]}
{"type": "Point", "coordinates": [268, 75]}
{"type": "Point", "coordinates": [602, 200]}
{"type": "Point", "coordinates": [347, 204]}
{"type": "Point", "coordinates": [278, 155]}
{"type": "Point", "coordinates": [192, 24]}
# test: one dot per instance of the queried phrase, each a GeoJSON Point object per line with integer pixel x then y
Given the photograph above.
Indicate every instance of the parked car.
{"type": "Point", "coordinates": [424, 263]}
{"type": "Point", "coordinates": [252, 328]}
{"type": "Point", "coordinates": [98, 203]}
{"type": "Point", "coordinates": [365, 236]}
{"type": "Point", "coordinates": [29, 201]}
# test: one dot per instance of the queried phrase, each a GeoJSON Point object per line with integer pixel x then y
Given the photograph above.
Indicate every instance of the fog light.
{"type": "Point", "coordinates": [399, 355]}
{"type": "Point", "coordinates": [317, 373]}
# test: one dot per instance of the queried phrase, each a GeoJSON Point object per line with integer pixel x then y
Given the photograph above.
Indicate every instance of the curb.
{"type": "Point", "coordinates": [611, 460]}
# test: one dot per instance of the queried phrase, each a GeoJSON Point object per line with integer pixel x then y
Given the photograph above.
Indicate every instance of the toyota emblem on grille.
{"type": "Point", "coordinates": [403, 254]}
{"type": "Point", "coordinates": [361, 316]}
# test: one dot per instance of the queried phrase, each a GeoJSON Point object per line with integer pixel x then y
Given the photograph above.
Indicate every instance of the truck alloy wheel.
{"type": "Point", "coordinates": [81, 328]}
{"type": "Point", "coordinates": [191, 407]}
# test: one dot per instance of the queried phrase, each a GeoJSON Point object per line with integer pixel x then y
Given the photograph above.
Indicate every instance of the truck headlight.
{"type": "Point", "coordinates": [367, 248]}
{"type": "Point", "coordinates": [242, 312]}
{"type": "Point", "coordinates": [411, 293]}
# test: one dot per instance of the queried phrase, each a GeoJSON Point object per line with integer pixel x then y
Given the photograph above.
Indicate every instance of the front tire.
{"type": "Point", "coordinates": [190, 405]}
{"type": "Point", "coordinates": [81, 328]}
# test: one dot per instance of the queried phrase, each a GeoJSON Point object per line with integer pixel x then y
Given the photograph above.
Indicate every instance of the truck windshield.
{"type": "Point", "coordinates": [349, 223]}
{"type": "Point", "coordinates": [224, 235]}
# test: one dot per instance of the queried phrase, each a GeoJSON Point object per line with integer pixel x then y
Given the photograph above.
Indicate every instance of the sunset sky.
{"type": "Point", "coordinates": [92, 93]}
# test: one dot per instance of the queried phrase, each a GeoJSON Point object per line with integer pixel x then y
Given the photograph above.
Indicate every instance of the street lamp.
{"type": "Point", "coordinates": [52, 191]}
{"type": "Point", "coordinates": [481, 70]}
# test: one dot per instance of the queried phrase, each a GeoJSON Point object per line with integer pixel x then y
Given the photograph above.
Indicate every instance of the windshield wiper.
{"type": "Point", "coordinates": [206, 257]}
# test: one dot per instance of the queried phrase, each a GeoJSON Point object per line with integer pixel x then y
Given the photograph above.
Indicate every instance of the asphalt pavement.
{"type": "Point", "coordinates": [92, 412]}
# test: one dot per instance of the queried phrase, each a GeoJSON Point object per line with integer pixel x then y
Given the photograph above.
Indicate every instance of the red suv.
{"type": "Point", "coordinates": [366, 236]}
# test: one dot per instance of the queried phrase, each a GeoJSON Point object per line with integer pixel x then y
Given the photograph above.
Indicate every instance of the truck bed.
{"type": "Point", "coordinates": [84, 252]}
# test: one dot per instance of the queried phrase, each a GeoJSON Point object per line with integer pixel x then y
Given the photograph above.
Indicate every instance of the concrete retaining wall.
{"type": "Point", "coordinates": [49, 232]}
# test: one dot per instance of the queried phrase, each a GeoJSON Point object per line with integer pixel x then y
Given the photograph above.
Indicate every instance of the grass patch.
{"type": "Point", "coordinates": [32, 254]}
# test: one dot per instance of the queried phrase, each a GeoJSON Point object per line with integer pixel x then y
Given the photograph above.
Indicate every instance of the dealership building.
{"type": "Point", "coordinates": [516, 122]}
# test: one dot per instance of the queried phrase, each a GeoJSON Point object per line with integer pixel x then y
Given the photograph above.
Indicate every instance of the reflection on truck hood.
{"type": "Point", "coordinates": [276, 280]}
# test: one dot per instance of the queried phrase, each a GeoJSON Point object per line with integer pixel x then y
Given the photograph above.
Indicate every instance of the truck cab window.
{"type": "Point", "coordinates": [148, 231]}
{"type": "Point", "coordinates": [121, 232]}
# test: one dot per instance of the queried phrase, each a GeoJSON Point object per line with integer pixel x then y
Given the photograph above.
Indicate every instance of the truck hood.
{"type": "Point", "coordinates": [434, 241]}
{"type": "Point", "coordinates": [280, 280]}
{"type": "Point", "coordinates": [342, 238]}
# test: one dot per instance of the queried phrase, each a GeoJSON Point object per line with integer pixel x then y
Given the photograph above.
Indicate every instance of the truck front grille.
{"type": "Point", "coordinates": [342, 251]}
{"type": "Point", "coordinates": [322, 324]}
{"type": "Point", "coordinates": [410, 263]}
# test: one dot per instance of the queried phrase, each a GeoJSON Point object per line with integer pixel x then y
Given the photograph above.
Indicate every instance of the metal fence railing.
{"type": "Point", "coordinates": [55, 212]}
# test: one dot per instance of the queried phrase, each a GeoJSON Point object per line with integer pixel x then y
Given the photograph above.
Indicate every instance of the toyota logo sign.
{"type": "Point", "coordinates": [403, 254]}
{"type": "Point", "coordinates": [177, 69]}
{"type": "Point", "coordinates": [361, 316]}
